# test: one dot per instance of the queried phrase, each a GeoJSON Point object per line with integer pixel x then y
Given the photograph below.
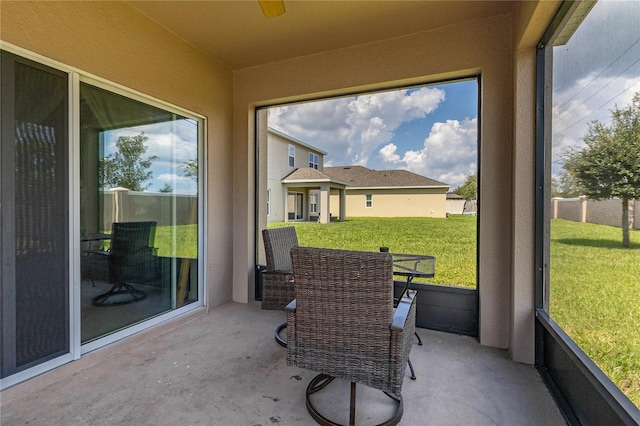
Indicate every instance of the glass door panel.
{"type": "Point", "coordinates": [138, 211]}
{"type": "Point", "coordinates": [34, 214]}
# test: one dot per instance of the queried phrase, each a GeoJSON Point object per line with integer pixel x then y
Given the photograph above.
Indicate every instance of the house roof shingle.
{"type": "Point", "coordinates": [362, 177]}
{"type": "Point", "coordinates": [308, 176]}
{"type": "Point", "coordinates": [305, 173]}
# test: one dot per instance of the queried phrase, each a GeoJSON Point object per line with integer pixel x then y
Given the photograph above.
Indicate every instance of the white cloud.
{"type": "Point", "coordinates": [388, 153]}
{"type": "Point", "coordinates": [592, 76]}
{"type": "Point", "coordinates": [352, 130]}
{"type": "Point", "coordinates": [449, 153]}
{"type": "Point", "coordinates": [173, 178]}
{"type": "Point", "coordinates": [179, 184]}
{"type": "Point", "coordinates": [588, 99]}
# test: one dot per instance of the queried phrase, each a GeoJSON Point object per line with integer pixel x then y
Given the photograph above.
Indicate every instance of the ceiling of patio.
{"type": "Point", "coordinates": [238, 34]}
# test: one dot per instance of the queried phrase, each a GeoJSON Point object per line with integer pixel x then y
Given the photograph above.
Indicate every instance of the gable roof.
{"type": "Point", "coordinates": [309, 175]}
{"type": "Point", "coordinates": [362, 177]}
{"type": "Point", "coordinates": [305, 173]}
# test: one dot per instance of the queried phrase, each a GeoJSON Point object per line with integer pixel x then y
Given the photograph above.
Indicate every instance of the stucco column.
{"type": "Point", "coordinates": [285, 215]}
{"type": "Point", "coordinates": [324, 204]}
{"type": "Point", "coordinates": [343, 204]}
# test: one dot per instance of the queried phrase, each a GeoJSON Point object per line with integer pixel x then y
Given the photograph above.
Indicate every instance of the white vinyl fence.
{"type": "Point", "coordinates": [605, 212]}
{"type": "Point", "coordinates": [122, 205]}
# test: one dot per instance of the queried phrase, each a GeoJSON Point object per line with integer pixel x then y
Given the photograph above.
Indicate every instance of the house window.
{"type": "Point", "coordinates": [313, 160]}
{"type": "Point", "coordinates": [292, 156]}
{"type": "Point", "coordinates": [368, 201]}
{"type": "Point", "coordinates": [268, 202]}
{"type": "Point", "coordinates": [313, 203]}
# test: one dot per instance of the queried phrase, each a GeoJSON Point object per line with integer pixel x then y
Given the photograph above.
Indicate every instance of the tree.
{"type": "Point", "coordinates": [126, 168]}
{"type": "Point", "coordinates": [191, 169]}
{"type": "Point", "coordinates": [166, 188]}
{"type": "Point", "coordinates": [609, 165]}
{"type": "Point", "coordinates": [565, 185]}
{"type": "Point", "coordinates": [469, 189]}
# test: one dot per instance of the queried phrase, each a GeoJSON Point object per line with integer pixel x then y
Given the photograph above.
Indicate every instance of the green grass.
{"type": "Point", "coordinates": [183, 237]}
{"type": "Point", "coordinates": [595, 297]}
{"type": "Point", "coordinates": [452, 241]}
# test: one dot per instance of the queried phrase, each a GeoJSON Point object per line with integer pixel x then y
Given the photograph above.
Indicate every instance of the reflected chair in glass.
{"type": "Point", "coordinates": [131, 259]}
{"type": "Point", "coordinates": [277, 280]}
{"type": "Point", "coordinates": [343, 324]}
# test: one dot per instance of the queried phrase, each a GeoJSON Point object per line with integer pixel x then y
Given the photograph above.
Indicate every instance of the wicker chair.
{"type": "Point", "coordinates": [342, 323]}
{"type": "Point", "coordinates": [277, 280]}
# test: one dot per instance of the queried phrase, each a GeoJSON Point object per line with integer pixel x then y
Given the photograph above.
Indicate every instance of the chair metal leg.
{"type": "Point", "coordinates": [321, 381]}
{"type": "Point", "coordinates": [419, 339]}
{"type": "Point", "coordinates": [352, 405]}
{"type": "Point", "coordinates": [413, 373]}
{"type": "Point", "coordinates": [119, 288]}
{"type": "Point", "coordinates": [279, 339]}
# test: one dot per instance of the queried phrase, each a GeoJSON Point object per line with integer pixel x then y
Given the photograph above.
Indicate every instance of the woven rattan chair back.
{"type": "Point", "coordinates": [278, 243]}
{"type": "Point", "coordinates": [344, 308]}
{"type": "Point", "coordinates": [277, 284]}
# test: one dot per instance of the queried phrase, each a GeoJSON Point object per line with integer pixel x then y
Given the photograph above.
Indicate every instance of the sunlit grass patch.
{"type": "Point", "coordinates": [595, 297]}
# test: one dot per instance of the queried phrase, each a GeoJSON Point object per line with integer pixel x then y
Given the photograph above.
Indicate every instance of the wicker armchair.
{"type": "Point", "coordinates": [343, 323]}
{"type": "Point", "coordinates": [277, 280]}
{"type": "Point", "coordinates": [277, 283]}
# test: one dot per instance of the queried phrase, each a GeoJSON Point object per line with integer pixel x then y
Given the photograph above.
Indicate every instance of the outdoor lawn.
{"type": "Point", "coordinates": [183, 237]}
{"type": "Point", "coordinates": [594, 290]}
{"type": "Point", "coordinates": [595, 297]}
{"type": "Point", "coordinates": [452, 241]}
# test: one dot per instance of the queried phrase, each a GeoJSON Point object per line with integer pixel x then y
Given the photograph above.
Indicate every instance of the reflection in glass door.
{"type": "Point", "coordinates": [138, 211]}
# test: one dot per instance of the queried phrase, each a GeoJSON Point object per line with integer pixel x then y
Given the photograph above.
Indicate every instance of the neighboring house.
{"type": "Point", "coordinates": [300, 188]}
{"type": "Point", "coordinates": [296, 187]}
{"type": "Point", "coordinates": [390, 193]}
{"type": "Point", "coordinates": [455, 203]}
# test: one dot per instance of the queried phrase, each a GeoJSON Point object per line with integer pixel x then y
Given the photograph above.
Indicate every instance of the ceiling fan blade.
{"type": "Point", "coordinates": [272, 8]}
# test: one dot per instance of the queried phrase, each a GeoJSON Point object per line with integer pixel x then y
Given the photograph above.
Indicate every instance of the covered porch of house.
{"type": "Point", "coordinates": [224, 368]}
{"type": "Point", "coordinates": [308, 196]}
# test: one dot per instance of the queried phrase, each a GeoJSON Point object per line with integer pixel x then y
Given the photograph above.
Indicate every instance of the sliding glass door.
{"type": "Point", "coordinates": [100, 214]}
{"type": "Point", "coordinates": [34, 214]}
{"type": "Point", "coordinates": [138, 211]}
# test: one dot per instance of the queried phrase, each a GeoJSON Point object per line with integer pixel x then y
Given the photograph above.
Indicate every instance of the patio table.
{"type": "Point", "coordinates": [410, 266]}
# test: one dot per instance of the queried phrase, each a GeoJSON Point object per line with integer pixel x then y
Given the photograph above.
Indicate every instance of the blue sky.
{"type": "Point", "coordinates": [430, 130]}
{"type": "Point", "coordinates": [597, 71]}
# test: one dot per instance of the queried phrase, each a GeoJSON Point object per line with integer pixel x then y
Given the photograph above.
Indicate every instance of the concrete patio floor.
{"type": "Point", "coordinates": [224, 368]}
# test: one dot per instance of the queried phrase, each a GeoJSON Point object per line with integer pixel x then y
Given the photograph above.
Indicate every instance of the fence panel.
{"type": "Point", "coordinates": [604, 212]}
